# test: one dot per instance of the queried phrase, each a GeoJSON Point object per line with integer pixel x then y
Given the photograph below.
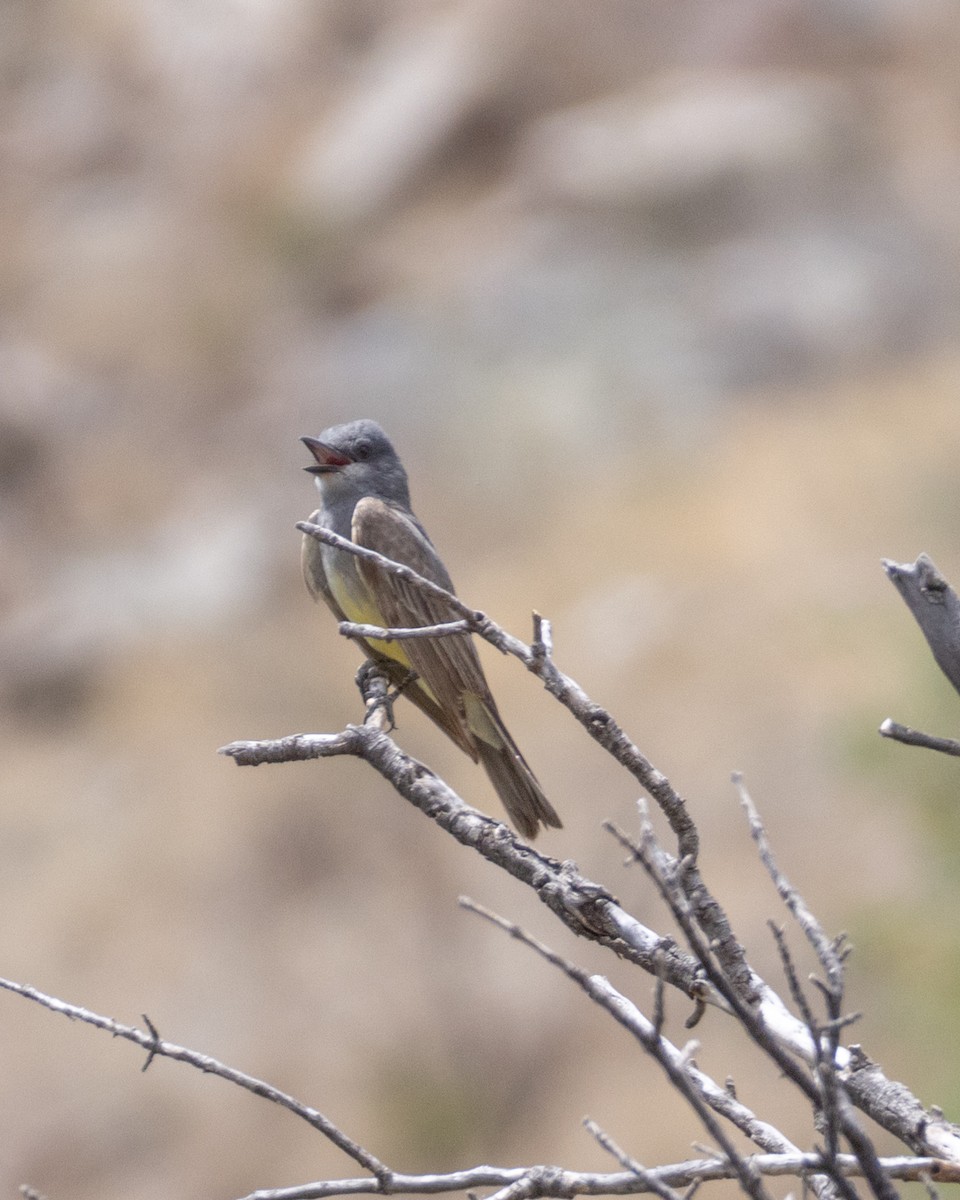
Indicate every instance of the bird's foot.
{"type": "Point", "coordinates": [377, 698]}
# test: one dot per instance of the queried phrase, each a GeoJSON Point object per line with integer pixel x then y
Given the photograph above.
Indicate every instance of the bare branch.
{"type": "Point", "coordinates": [158, 1048]}
{"type": "Point", "coordinates": [793, 981]}
{"type": "Point", "coordinates": [599, 724]}
{"type": "Point", "coordinates": [824, 948]}
{"type": "Point", "coordinates": [696, 1088]}
{"type": "Point", "coordinates": [935, 607]}
{"type": "Point", "coordinates": [562, 1183]}
{"type": "Point", "coordinates": [350, 629]}
{"type": "Point", "coordinates": [599, 916]}
{"type": "Point", "coordinates": [887, 1102]}
{"type": "Point", "coordinates": [648, 1177]}
{"type": "Point", "coordinates": [589, 910]}
{"type": "Point", "coordinates": [830, 1104]}
{"type": "Point", "coordinates": [585, 907]}
{"type": "Point", "coordinates": [548, 1181]}
{"type": "Point", "coordinates": [296, 747]}
{"type": "Point", "coordinates": [750, 1015]}
{"type": "Point", "coordinates": [596, 720]}
{"type": "Point", "coordinates": [914, 737]}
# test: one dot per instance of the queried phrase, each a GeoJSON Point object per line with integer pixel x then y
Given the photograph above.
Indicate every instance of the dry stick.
{"type": "Point", "coordinates": [558, 1182]}
{"type": "Point", "coordinates": [935, 607]}
{"type": "Point", "coordinates": [625, 1012]}
{"type": "Point", "coordinates": [585, 907]}
{"type": "Point", "coordinates": [589, 910]}
{"type": "Point", "coordinates": [648, 854]}
{"type": "Point", "coordinates": [352, 629]}
{"type": "Point", "coordinates": [387, 1182]}
{"type": "Point", "coordinates": [915, 737]}
{"type": "Point", "coordinates": [721, 1100]}
{"type": "Point", "coordinates": [824, 1070]}
{"type": "Point", "coordinates": [672, 1061]}
{"type": "Point", "coordinates": [631, 1164]}
{"type": "Point", "coordinates": [755, 1026]}
{"type": "Point", "coordinates": [599, 724]}
{"type": "Point", "coordinates": [831, 959]}
{"type": "Point", "coordinates": [663, 870]}
{"type": "Point", "coordinates": [157, 1048]}
{"type": "Point", "coordinates": [824, 947]}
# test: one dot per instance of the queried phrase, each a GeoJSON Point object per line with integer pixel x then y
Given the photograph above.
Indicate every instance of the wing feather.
{"type": "Point", "coordinates": [448, 666]}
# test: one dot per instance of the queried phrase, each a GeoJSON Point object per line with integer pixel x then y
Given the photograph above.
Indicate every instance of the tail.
{"type": "Point", "coordinates": [517, 786]}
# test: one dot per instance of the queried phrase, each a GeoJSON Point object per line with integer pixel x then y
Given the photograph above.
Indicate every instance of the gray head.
{"type": "Point", "coordinates": [357, 459]}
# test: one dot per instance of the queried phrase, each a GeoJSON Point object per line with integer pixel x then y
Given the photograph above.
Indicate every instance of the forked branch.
{"type": "Point", "coordinates": [713, 971]}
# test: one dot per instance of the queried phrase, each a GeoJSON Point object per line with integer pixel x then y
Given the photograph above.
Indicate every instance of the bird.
{"type": "Point", "coordinates": [365, 497]}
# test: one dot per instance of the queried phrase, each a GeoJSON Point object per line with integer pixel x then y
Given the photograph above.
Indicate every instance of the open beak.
{"type": "Point", "coordinates": [327, 458]}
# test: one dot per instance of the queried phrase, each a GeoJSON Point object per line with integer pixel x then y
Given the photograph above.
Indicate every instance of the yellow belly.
{"type": "Point", "coordinates": [360, 607]}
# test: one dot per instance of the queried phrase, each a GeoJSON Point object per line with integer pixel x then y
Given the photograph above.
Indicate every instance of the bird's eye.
{"type": "Point", "coordinates": [361, 451]}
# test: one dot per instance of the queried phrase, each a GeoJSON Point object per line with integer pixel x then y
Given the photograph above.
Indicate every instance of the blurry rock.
{"type": "Point", "coordinates": [415, 87]}
{"type": "Point", "coordinates": [684, 135]}
{"type": "Point", "coordinates": [195, 571]}
{"type": "Point", "coordinates": [21, 453]}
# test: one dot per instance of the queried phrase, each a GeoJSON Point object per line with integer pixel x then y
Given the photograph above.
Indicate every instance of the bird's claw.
{"type": "Point", "coordinates": [377, 698]}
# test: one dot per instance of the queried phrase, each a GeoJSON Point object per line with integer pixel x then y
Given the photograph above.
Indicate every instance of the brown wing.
{"type": "Point", "coordinates": [449, 666]}
{"type": "Point", "coordinates": [315, 577]}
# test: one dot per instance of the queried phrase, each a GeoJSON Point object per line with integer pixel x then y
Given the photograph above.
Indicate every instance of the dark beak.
{"type": "Point", "coordinates": [327, 458]}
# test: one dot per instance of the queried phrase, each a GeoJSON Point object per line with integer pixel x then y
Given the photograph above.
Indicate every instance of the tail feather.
{"type": "Point", "coordinates": [517, 787]}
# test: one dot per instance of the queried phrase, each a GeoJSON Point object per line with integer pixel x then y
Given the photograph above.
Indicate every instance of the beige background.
{"type": "Point", "coordinates": [659, 303]}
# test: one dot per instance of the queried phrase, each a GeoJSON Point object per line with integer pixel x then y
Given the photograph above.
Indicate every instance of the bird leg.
{"type": "Point", "coordinates": [377, 698]}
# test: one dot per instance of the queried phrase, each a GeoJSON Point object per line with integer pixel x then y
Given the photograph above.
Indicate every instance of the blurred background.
{"type": "Point", "coordinates": [659, 302]}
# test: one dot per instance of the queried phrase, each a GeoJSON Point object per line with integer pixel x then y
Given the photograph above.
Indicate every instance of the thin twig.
{"type": "Point", "coordinates": [158, 1048]}
{"type": "Point", "coordinates": [648, 1177]}
{"type": "Point", "coordinates": [387, 1182]}
{"type": "Point", "coordinates": [914, 737]}
{"type": "Point", "coordinates": [589, 1183]}
{"type": "Point", "coordinates": [829, 1106]}
{"type": "Point", "coordinates": [584, 906]}
{"type": "Point", "coordinates": [542, 644]}
{"type": "Point", "coordinates": [673, 1061]}
{"type": "Point", "coordinates": [824, 948]}
{"type": "Point", "coordinates": [649, 855]}
{"type": "Point", "coordinates": [350, 629]}
{"type": "Point", "coordinates": [589, 910]}
{"type": "Point", "coordinates": [935, 607]}
{"type": "Point", "coordinates": [793, 981]}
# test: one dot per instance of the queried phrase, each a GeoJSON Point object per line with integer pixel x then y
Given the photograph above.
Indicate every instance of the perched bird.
{"type": "Point", "coordinates": [365, 497]}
